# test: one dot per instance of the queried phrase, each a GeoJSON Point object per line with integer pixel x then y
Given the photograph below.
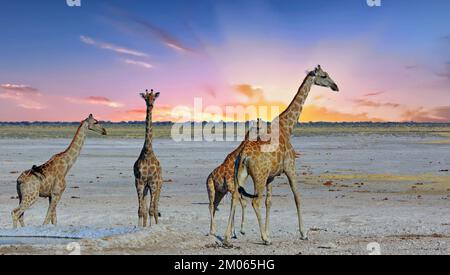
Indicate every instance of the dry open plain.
{"type": "Point", "coordinates": [356, 189]}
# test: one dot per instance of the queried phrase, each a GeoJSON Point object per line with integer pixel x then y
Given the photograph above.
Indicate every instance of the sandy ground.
{"type": "Point", "coordinates": [343, 216]}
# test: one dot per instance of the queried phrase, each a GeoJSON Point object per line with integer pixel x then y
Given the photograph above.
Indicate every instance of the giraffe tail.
{"type": "Point", "coordinates": [238, 168]}
{"type": "Point", "coordinates": [245, 194]}
{"type": "Point", "coordinates": [19, 189]}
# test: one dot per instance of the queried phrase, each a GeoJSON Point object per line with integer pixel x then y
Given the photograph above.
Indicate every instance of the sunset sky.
{"type": "Point", "coordinates": [60, 63]}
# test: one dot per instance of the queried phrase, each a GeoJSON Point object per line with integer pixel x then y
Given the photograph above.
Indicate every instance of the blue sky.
{"type": "Point", "coordinates": [74, 57]}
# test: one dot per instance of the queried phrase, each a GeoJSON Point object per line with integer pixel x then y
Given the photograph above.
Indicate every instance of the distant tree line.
{"type": "Point", "coordinates": [307, 124]}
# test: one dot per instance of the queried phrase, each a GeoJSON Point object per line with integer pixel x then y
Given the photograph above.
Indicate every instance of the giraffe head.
{"type": "Point", "coordinates": [322, 78]}
{"type": "Point", "coordinates": [150, 97]}
{"type": "Point", "coordinates": [93, 125]}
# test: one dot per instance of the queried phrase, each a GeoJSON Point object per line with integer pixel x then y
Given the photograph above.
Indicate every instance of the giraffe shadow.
{"type": "Point", "coordinates": [219, 243]}
{"type": "Point", "coordinates": [221, 239]}
{"type": "Point", "coordinates": [200, 203]}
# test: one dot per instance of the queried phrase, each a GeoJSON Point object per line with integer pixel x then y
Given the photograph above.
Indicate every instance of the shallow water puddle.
{"type": "Point", "coordinates": [48, 235]}
{"type": "Point", "coordinates": [35, 241]}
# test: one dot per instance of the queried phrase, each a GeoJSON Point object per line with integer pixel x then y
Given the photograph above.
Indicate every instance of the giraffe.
{"type": "Point", "coordinates": [264, 166]}
{"type": "Point", "coordinates": [48, 180]}
{"type": "Point", "coordinates": [147, 169]}
{"type": "Point", "coordinates": [221, 181]}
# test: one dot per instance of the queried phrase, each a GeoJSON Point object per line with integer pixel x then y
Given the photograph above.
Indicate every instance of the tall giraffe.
{"type": "Point", "coordinates": [221, 181]}
{"type": "Point", "coordinates": [48, 180]}
{"type": "Point", "coordinates": [147, 169]}
{"type": "Point", "coordinates": [263, 166]}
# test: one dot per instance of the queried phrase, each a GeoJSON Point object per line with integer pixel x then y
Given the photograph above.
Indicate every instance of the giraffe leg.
{"type": "Point", "coordinates": [54, 218]}
{"type": "Point", "coordinates": [156, 202]}
{"type": "Point", "coordinates": [216, 199]}
{"type": "Point", "coordinates": [290, 173]}
{"type": "Point", "coordinates": [227, 239]}
{"type": "Point", "coordinates": [146, 201]}
{"type": "Point", "coordinates": [27, 202]}
{"type": "Point", "coordinates": [151, 202]}
{"type": "Point", "coordinates": [268, 206]}
{"type": "Point", "coordinates": [212, 210]}
{"type": "Point", "coordinates": [256, 203]}
{"type": "Point", "coordinates": [147, 205]}
{"type": "Point", "coordinates": [53, 202]}
{"type": "Point", "coordinates": [233, 225]}
{"type": "Point", "coordinates": [22, 220]}
{"type": "Point", "coordinates": [49, 211]}
{"type": "Point", "coordinates": [155, 206]}
{"type": "Point", "coordinates": [140, 193]}
{"type": "Point", "coordinates": [15, 216]}
{"type": "Point", "coordinates": [243, 205]}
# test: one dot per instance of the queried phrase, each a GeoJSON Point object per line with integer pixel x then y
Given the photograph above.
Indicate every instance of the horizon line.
{"type": "Point", "coordinates": [226, 122]}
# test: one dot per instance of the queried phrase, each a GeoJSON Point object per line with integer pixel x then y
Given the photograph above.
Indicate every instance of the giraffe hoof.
{"type": "Point", "coordinates": [268, 242]}
{"type": "Point", "coordinates": [243, 232]}
{"type": "Point", "coordinates": [227, 244]}
{"type": "Point", "coordinates": [304, 237]}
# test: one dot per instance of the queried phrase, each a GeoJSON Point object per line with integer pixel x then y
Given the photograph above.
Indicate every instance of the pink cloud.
{"type": "Point", "coordinates": [373, 94]}
{"type": "Point", "coordinates": [111, 47]}
{"type": "Point", "coordinates": [421, 114]}
{"type": "Point", "coordinates": [149, 29]}
{"type": "Point", "coordinates": [95, 100]}
{"type": "Point", "coordinates": [138, 63]}
{"type": "Point", "coordinates": [164, 37]}
{"type": "Point", "coordinates": [19, 88]}
{"type": "Point", "coordinates": [32, 106]}
{"type": "Point", "coordinates": [24, 96]}
{"type": "Point", "coordinates": [374, 104]}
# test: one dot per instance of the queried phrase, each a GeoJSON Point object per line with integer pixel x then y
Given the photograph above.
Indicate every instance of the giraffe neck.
{"type": "Point", "coordinates": [289, 118]}
{"type": "Point", "coordinates": [148, 148]}
{"type": "Point", "coordinates": [73, 151]}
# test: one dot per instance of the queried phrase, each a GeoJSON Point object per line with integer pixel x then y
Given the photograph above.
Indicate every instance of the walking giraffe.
{"type": "Point", "coordinates": [264, 165]}
{"type": "Point", "coordinates": [48, 180]}
{"type": "Point", "coordinates": [147, 169]}
{"type": "Point", "coordinates": [221, 182]}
